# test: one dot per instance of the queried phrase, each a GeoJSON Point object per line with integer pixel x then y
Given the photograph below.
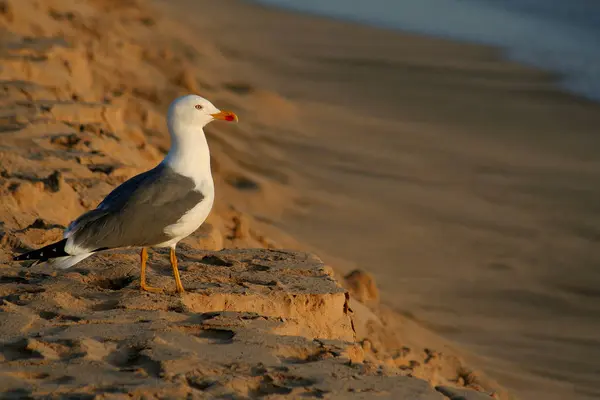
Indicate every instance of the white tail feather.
{"type": "Point", "coordinates": [66, 262]}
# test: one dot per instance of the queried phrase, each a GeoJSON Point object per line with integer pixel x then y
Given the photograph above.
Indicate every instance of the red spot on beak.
{"type": "Point", "coordinates": [225, 116]}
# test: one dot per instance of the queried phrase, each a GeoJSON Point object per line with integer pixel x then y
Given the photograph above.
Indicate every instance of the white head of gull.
{"type": "Point", "coordinates": [188, 115]}
{"type": "Point", "coordinates": [157, 208]}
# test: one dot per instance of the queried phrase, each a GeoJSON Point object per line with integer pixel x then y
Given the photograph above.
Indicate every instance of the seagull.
{"type": "Point", "coordinates": [157, 208]}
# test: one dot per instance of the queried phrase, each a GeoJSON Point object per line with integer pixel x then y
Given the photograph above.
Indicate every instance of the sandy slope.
{"type": "Point", "coordinates": [467, 185]}
{"type": "Point", "coordinates": [84, 87]}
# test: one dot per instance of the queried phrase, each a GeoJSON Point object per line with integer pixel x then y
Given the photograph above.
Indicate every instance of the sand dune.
{"type": "Point", "coordinates": [84, 86]}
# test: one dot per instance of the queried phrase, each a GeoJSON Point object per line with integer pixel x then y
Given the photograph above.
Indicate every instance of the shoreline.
{"type": "Point", "coordinates": [508, 53]}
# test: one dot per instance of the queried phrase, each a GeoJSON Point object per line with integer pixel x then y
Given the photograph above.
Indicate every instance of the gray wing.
{"type": "Point", "coordinates": [137, 212]}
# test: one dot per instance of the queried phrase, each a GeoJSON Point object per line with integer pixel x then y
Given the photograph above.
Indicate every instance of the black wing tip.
{"type": "Point", "coordinates": [21, 257]}
{"type": "Point", "coordinates": [51, 251]}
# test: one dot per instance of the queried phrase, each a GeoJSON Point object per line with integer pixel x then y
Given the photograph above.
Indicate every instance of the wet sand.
{"type": "Point", "coordinates": [466, 184]}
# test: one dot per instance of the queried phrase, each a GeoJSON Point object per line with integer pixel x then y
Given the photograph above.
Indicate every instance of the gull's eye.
{"type": "Point", "coordinates": [198, 107]}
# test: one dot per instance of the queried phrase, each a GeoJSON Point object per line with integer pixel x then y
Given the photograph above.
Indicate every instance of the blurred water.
{"type": "Point", "coordinates": [556, 35]}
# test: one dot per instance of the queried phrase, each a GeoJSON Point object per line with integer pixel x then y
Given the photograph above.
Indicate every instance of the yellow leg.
{"type": "Point", "coordinates": [143, 286]}
{"type": "Point", "coordinates": [180, 288]}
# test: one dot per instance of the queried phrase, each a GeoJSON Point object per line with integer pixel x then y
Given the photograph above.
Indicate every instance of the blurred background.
{"type": "Point", "coordinates": [560, 36]}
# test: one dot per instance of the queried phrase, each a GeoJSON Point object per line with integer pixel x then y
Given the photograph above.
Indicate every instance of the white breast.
{"type": "Point", "coordinates": [189, 156]}
{"type": "Point", "coordinates": [191, 220]}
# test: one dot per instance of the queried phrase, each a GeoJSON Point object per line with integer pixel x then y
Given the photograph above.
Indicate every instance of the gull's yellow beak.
{"type": "Point", "coordinates": [225, 116]}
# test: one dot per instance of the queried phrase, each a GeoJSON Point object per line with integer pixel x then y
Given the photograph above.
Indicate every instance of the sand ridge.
{"type": "Point", "coordinates": [253, 323]}
{"type": "Point", "coordinates": [84, 86]}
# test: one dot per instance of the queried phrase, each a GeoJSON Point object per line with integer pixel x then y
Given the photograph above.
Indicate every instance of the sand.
{"type": "Point", "coordinates": [465, 184]}
{"type": "Point", "coordinates": [84, 89]}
